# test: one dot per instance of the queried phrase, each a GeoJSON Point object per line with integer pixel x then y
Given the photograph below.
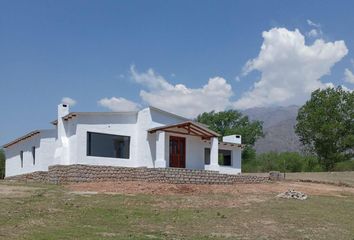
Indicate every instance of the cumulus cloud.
{"type": "Point", "coordinates": [179, 98]}
{"type": "Point", "coordinates": [348, 76]}
{"type": "Point", "coordinates": [68, 101]}
{"type": "Point", "coordinates": [316, 30]}
{"type": "Point", "coordinates": [290, 69]}
{"type": "Point", "coordinates": [119, 104]}
{"type": "Point", "coordinates": [313, 33]}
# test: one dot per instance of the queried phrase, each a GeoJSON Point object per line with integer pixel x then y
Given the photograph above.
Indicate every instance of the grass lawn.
{"type": "Point", "coordinates": [36, 211]}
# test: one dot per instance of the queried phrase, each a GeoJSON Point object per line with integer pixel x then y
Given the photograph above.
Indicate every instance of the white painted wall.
{"type": "Point", "coordinates": [45, 146]}
{"type": "Point", "coordinates": [118, 124]}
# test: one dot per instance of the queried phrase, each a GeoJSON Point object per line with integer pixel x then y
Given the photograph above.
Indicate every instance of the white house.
{"type": "Point", "coordinates": [150, 138]}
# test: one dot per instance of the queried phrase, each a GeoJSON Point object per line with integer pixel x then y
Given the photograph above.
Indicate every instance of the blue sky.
{"type": "Point", "coordinates": [113, 55]}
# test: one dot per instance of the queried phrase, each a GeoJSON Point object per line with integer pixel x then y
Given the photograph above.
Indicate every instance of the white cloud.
{"type": "Point", "coordinates": [346, 89]}
{"type": "Point", "coordinates": [290, 69]}
{"type": "Point", "coordinates": [316, 30]}
{"type": "Point", "coordinates": [150, 79]}
{"type": "Point", "coordinates": [68, 101]}
{"type": "Point", "coordinates": [180, 99]}
{"type": "Point", "coordinates": [313, 24]}
{"type": "Point", "coordinates": [119, 104]}
{"type": "Point", "coordinates": [313, 33]}
{"type": "Point", "coordinates": [348, 76]}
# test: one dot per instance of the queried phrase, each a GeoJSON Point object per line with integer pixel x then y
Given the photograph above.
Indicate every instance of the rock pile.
{"type": "Point", "coordinates": [291, 193]}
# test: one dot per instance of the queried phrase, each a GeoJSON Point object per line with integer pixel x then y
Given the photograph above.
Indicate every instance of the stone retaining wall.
{"type": "Point", "coordinates": [39, 176]}
{"type": "Point", "coordinates": [87, 173]}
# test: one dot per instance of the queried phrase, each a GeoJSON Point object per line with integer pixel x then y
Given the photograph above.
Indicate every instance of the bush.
{"type": "Point", "coordinates": [287, 161]}
{"type": "Point", "coordinates": [344, 166]}
{"type": "Point", "coordinates": [2, 164]}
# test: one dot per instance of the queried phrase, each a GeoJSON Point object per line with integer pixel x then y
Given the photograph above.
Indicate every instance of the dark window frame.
{"type": "Point", "coordinates": [33, 150]}
{"type": "Point", "coordinates": [207, 157]}
{"type": "Point", "coordinates": [21, 157]}
{"type": "Point", "coordinates": [89, 152]}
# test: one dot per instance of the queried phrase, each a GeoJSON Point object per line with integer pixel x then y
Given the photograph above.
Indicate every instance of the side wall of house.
{"type": "Point", "coordinates": [44, 144]}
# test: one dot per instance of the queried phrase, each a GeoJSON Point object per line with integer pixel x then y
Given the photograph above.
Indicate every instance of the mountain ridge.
{"type": "Point", "coordinates": [278, 127]}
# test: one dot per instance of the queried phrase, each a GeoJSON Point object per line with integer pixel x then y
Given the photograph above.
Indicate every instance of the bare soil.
{"type": "Point", "coordinates": [136, 187]}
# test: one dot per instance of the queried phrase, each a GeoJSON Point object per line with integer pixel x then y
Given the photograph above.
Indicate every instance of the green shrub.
{"type": "Point", "coordinates": [2, 164]}
{"type": "Point", "coordinates": [286, 161]}
{"type": "Point", "coordinates": [344, 166]}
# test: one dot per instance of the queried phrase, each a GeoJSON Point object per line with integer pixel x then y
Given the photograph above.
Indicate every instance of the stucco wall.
{"type": "Point", "coordinates": [122, 124]}
{"type": "Point", "coordinates": [45, 145]}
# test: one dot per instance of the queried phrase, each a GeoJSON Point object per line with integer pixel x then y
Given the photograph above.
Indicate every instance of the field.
{"type": "Point", "coordinates": [339, 178]}
{"type": "Point", "coordinates": [136, 210]}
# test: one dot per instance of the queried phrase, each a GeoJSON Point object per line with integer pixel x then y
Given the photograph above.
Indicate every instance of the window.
{"type": "Point", "coordinates": [107, 145]}
{"type": "Point", "coordinates": [224, 157]}
{"type": "Point", "coordinates": [34, 155]}
{"type": "Point", "coordinates": [21, 157]}
{"type": "Point", "coordinates": [207, 156]}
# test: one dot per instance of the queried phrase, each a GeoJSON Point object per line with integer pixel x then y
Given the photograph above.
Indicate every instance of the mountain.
{"type": "Point", "coordinates": [278, 126]}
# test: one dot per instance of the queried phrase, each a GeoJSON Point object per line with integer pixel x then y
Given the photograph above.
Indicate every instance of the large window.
{"type": "Point", "coordinates": [107, 145]}
{"type": "Point", "coordinates": [224, 157]}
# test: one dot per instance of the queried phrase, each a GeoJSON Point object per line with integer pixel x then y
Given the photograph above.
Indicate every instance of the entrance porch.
{"type": "Point", "coordinates": [192, 145]}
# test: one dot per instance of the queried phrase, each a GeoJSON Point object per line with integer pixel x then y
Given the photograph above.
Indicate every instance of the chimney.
{"type": "Point", "coordinates": [61, 152]}
{"type": "Point", "coordinates": [232, 139]}
{"type": "Point", "coordinates": [63, 110]}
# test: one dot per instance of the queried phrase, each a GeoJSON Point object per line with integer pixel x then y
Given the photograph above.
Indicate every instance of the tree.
{"type": "Point", "coordinates": [325, 125]}
{"type": "Point", "coordinates": [2, 164]}
{"type": "Point", "coordinates": [233, 122]}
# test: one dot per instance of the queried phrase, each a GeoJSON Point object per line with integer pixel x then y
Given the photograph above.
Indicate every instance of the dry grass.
{"type": "Point", "coordinates": [135, 210]}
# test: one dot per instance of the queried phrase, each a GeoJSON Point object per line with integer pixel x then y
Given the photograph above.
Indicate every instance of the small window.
{"type": "Point", "coordinates": [108, 145]}
{"type": "Point", "coordinates": [224, 157]}
{"type": "Point", "coordinates": [207, 156]}
{"type": "Point", "coordinates": [34, 155]}
{"type": "Point", "coordinates": [21, 157]}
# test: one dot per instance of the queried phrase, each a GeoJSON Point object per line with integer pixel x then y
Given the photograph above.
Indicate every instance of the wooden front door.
{"type": "Point", "coordinates": [177, 152]}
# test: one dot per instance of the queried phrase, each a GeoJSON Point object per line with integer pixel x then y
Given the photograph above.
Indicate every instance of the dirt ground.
{"type": "Point", "coordinates": [191, 189]}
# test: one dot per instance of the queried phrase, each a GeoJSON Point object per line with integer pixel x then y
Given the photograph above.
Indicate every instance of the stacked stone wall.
{"type": "Point", "coordinates": [60, 174]}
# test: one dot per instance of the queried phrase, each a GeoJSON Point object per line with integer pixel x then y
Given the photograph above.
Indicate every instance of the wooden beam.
{"type": "Point", "coordinates": [182, 133]}
{"type": "Point", "coordinates": [201, 131]}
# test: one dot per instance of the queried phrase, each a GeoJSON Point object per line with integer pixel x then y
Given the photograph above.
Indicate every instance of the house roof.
{"type": "Point", "coordinates": [75, 114]}
{"type": "Point", "coordinates": [168, 113]}
{"type": "Point", "coordinates": [187, 128]}
{"type": "Point", "coordinates": [24, 137]}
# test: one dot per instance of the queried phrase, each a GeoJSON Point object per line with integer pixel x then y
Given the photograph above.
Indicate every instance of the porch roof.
{"type": "Point", "coordinates": [187, 128]}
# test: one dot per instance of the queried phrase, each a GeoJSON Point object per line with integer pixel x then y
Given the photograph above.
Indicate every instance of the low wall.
{"type": "Point", "coordinates": [39, 176]}
{"type": "Point", "coordinates": [87, 173]}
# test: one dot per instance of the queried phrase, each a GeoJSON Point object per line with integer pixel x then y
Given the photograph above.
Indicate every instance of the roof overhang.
{"type": "Point", "coordinates": [75, 114]}
{"type": "Point", "coordinates": [24, 137]}
{"type": "Point", "coordinates": [187, 128]}
{"type": "Point", "coordinates": [229, 144]}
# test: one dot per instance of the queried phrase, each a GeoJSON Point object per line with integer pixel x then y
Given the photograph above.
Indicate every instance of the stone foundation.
{"type": "Point", "coordinates": [59, 174]}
